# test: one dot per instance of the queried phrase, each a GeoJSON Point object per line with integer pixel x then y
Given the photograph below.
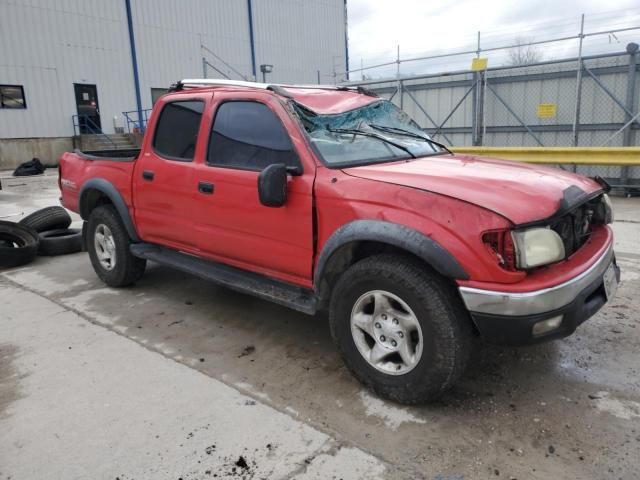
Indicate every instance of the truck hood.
{"type": "Point", "coordinates": [520, 192]}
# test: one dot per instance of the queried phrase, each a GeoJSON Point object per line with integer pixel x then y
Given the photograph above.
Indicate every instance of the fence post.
{"type": "Point", "coordinates": [482, 87]}
{"type": "Point", "coordinates": [576, 118]}
{"type": "Point", "coordinates": [627, 138]}
{"type": "Point", "coordinates": [474, 111]}
{"type": "Point", "coordinates": [398, 76]}
{"type": "Point", "coordinates": [474, 102]}
{"type": "Point", "coordinates": [477, 107]}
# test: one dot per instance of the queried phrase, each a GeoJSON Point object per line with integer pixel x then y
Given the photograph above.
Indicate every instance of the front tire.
{"type": "Point", "coordinates": [400, 328]}
{"type": "Point", "coordinates": [108, 246]}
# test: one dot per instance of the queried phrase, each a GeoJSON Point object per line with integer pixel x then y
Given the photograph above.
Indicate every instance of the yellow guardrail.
{"type": "Point", "coordinates": [555, 155]}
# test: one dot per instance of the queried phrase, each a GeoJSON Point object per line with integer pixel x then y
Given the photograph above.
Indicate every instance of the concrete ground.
{"type": "Point", "coordinates": [178, 378]}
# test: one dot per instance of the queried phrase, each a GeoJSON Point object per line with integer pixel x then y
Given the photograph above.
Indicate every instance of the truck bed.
{"type": "Point", "coordinates": [116, 155]}
{"type": "Point", "coordinates": [113, 166]}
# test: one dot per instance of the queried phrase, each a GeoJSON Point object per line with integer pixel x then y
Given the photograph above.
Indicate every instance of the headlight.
{"type": "Point", "coordinates": [602, 210]}
{"type": "Point", "coordinates": [537, 246]}
{"type": "Point", "coordinates": [608, 209]}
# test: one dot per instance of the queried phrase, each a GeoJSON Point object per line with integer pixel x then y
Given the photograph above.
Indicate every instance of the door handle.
{"type": "Point", "coordinates": [148, 175]}
{"type": "Point", "coordinates": [205, 187]}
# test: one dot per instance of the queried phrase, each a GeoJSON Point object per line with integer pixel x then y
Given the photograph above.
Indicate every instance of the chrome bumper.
{"type": "Point", "coordinates": [536, 302]}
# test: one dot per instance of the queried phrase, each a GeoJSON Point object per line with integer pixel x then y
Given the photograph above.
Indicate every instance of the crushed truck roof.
{"type": "Point", "coordinates": [321, 99]}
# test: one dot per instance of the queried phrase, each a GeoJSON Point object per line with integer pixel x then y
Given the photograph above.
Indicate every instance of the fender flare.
{"type": "Point", "coordinates": [394, 234]}
{"type": "Point", "coordinates": [118, 202]}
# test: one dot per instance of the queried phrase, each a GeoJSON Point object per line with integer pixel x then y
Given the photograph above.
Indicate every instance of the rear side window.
{"type": "Point", "coordinates": [249, 136]}
{"type": "Point", "coordinates": [177, 130]}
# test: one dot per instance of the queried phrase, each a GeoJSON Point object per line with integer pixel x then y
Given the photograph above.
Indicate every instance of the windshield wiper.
{"type": "Point", "coordinates": [355, 131]}
{"type": "Point", "coordinates": [407, 133]}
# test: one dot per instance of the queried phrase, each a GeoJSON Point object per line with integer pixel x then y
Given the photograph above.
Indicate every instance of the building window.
{"type": "Point", "coordinates": [176, 133]}
{"type": "Point", "coordinates": [249, 136]}
{"type": "Point", "coordinates": [12, 96]}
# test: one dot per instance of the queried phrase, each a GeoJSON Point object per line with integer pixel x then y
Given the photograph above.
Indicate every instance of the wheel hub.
{"type": "Point", "coordinates": [105, 247]}
{"type": "Point", "coordinates": [386, 332]}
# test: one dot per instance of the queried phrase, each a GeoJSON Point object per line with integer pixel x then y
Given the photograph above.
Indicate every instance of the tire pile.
{"type": "Point", "coordinates": [44, 232]}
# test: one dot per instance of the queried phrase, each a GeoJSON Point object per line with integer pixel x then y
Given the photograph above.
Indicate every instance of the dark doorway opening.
{"type": "Point", "coordinates": [88, 108]}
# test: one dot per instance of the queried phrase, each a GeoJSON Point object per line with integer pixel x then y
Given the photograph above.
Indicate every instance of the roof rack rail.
{"type": "Point", "coordinates": [275, 87]}
{"type": "Point", "coordinates": [201, 82]}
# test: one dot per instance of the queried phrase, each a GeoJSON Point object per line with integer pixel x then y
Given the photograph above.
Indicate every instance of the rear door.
{"type": "Point", "coordinates": [250, 131]}
{"type": "Point", "coordinates": [164, 184]}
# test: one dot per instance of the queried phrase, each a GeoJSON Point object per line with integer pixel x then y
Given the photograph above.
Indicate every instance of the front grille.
{"type": "Point", "coordinates": [574, 227]}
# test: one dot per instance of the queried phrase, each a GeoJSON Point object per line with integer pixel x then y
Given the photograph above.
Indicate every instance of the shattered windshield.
{"type": "Point", "coordinates": [378, 132]}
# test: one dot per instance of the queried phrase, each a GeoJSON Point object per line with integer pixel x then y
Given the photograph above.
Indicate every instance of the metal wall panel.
{"type": "Point", "coordinates": [169, 34]}
{"type": "Point", "coordinates": [300, 37]}
{"type": "Point", "coordinates": [48, 45]}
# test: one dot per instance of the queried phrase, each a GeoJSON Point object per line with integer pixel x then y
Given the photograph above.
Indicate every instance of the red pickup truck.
{"type": "Point", "coordinates": [332, 199]}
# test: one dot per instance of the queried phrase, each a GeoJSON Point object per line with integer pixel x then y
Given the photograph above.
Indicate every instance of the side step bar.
{"type": "Point", "coordinates": [294, 297]}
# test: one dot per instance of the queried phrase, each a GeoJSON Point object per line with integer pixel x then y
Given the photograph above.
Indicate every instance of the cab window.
{"type": "Point", "coordinates": [249, 136]}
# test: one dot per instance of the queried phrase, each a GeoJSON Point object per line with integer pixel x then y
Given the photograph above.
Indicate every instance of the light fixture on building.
{"type": "Point", "coordinates": [265, 68]}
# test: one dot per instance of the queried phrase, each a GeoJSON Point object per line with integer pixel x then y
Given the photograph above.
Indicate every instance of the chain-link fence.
{"type": "Point", "coordinates": [546, 104]}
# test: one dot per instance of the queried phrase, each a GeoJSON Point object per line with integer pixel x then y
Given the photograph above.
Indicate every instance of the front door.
{"type": "Point", "coordinates": [246, 136]}
{"type": "Point", "coordinates": [88, 108]}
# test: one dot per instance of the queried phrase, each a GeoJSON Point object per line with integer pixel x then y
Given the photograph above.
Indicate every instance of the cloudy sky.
{"type": "Point", "coordinates": [424, 27]}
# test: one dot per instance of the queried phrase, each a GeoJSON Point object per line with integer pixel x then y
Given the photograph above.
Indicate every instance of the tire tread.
{"type": "Point", "coordinates": [60, 242]}
{"type": "Point", "coordinates": [27, 239]}
{"type": "Point", "coordinates": [48, 218]}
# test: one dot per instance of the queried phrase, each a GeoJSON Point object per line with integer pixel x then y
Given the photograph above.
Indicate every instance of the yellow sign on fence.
{"type": "Point", "coordinates": [547, 110]}
{"type": "Point", "coordinates": [479, 64]}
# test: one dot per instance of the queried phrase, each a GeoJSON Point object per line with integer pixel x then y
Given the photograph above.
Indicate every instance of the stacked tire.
{"type": "Point", "coordinates": [18, 244]}
{"type": "Point", "coordinates": [44, 232]}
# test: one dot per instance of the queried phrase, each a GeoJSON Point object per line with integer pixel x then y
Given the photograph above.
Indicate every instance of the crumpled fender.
{"type": "Point", "coordinates": [394, 234]}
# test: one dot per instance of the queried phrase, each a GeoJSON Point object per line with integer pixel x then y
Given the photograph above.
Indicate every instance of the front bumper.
{"type": "Point", "coordinates": [508, 318]}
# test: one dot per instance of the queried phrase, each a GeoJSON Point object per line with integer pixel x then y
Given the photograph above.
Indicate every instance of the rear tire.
{"type": "Point", "coordinates": [400, 328]}
{"type": "Point", "coordinates": [108, 246]}
{"type": "Point", "coordinates": [49, 218]}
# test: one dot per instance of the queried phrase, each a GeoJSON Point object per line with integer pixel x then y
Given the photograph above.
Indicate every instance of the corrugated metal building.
{"type": "Point", "coordinates": [60, 58]}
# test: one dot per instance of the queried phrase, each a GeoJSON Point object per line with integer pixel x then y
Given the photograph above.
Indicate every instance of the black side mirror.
{"type": "Point", "coordinates": [272, 185]}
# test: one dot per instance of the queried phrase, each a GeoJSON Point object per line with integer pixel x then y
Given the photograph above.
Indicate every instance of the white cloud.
{"type": "Point", "coordinates": [421, 27]}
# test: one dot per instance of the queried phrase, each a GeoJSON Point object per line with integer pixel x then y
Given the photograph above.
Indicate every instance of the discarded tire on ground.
{"type": "Point", "coordinates": [49, 218]}
{"type": "Point", "coordinates": [19, 244]}
{"type": "Point", "coordinates": [60, 242]}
